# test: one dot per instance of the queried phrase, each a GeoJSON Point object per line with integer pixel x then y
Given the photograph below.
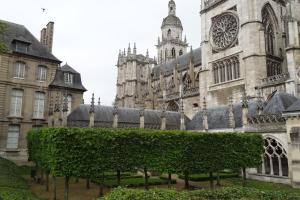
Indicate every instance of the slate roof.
{"type": "Point", "coordinates": [60, 82]}
{"type": "Point", "coordinates": [295, 107]}
{"type": "Point", "coordinates": [17, 32]}
{"type": "Point", "coordinates": [182, 62]}
{"type": "Point", "coordinates": [130, 116]}
{"type": "Point", "coordinates": [218, 117]}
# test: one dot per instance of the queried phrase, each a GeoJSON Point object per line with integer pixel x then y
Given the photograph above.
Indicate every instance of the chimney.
{"type": "Point", "coordinates": [47, 36]}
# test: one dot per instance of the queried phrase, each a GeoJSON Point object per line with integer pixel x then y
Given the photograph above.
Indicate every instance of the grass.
{"type": "Point", "coordinates": [12, 185]}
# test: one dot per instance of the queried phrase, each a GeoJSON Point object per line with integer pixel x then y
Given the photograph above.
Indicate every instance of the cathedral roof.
{"type": "Point", "coordinates": [294, 108]}
{"type": "Point", "coordinates": [17, 32]}
{"type": "Point", "coordinates": [218, 117]}
{"type": "Point", "coordinates": [172, 20]}
{"type": "Point", "coordinates": [181, 63]}
{"type": "Point", "coordinates": [128, 117]}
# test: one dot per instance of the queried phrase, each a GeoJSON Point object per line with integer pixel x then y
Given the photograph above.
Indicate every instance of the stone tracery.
{"type": "Point", "coordinates": [224, 30]}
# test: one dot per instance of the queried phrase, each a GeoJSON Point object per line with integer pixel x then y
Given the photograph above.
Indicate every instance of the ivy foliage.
{"type": "Point", "coordinates": [74, 152]}
{"type": "Point", "coordinates": [3, 47]}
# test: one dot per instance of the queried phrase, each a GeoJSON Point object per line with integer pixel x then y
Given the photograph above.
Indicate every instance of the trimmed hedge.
{"type": "Point", "coordinates": [12, 185]}
{"type": "Point", "coordinates": [135, 194]}
{"type": "Point", "coordinates": [205, 177]}
{"type": "Point", "coordinates": [219, 194]}
{"type": "Point", "coordinates": [74, 152]}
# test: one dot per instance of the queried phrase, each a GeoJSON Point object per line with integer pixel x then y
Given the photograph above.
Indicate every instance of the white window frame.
{"type": "Point", "coordinates": [16, 103]}
{"type": "Point", "coordinates": [41, 73]}
{"type": "Point", "coordinates": [39, 105]}
{"type": "Point", "coordinates": [68, 78]}
{"type": "Point", "coordinates": [13, 135]}
{"type": "Point", "coordinates": [19, 70]}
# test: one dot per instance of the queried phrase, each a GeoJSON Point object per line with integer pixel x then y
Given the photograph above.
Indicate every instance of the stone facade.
{"type": "Point", "coordinates": [27, 73]}
{"type": "Point", "coordinates": [250, 50]}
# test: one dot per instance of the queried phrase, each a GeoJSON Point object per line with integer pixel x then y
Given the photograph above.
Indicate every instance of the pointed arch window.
{"type": "Point", "coordinates": [173, 53]}
{"type": "Point", "coordinates": [269, 28]}
{"type": "Point", "coordinates": [275, 160]}
{"type": "Point", "coordinates": [169, 33]}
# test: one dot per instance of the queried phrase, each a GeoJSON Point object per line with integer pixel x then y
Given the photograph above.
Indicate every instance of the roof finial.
{"type": "Point", "coordinates": [134, 49]}
{"type": "Point", "coordinates": [172, 7]}
{"type": "Point", "coordinates": [99, 101]}
{"type": "Point", "coordinates": [129, 50]}
{"type": "Point", "coordinates": [147, 53]}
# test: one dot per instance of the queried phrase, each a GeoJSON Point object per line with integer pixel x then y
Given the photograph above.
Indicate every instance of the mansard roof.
{"type": "Point", "coordinates": [181, 63]}
{"type": "Point", "coordinates": [218, 117]}
{"type": "Point", "coordinates": [128, 117]}
{"type": "Point", "coordinates": [59, 80]}
{"type": "Point", "coordinates": [17, 32]}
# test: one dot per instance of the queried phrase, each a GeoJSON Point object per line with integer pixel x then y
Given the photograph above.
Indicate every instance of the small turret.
{"type": "Point", "coordinates": [134, 49]}
{"type": "Point", "coordinates": [129, 50]}
{"type": "Point", "coordinates": [172, 7]}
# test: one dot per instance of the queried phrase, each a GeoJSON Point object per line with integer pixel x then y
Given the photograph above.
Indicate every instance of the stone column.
{"type": "Point", "coordinates": [182, 116]}
{"type": "Point", "coordinates": [163, 118]}
{"type": "Point", "coordinates": [51, 117]}
{"type": "Point", "coordinates": [205, 115]}
{"type": "Point", "coordinates": [231, 119]}
{"type": "Point", "coordinates": [245, 110]}
{"type": "Point", "coordinates": [92, 113]}
{"type": "Point", "coordinates": [115, 116]}
{"type": "Point", "coordinates": [57, 113]}
{"type": "Point", "coordinates": [142, 118]}
{"type": "Point", "coordinates": [65, 111]}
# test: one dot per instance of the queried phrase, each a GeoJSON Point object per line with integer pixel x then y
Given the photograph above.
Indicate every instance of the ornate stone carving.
{"type": "Point", "coordinates": [224, 31]}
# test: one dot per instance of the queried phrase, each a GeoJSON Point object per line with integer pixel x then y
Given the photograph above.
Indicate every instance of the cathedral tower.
{"type": "Point", "coordinates": [171, 43]}
{"type": "Point", "coordinates": [244, 46]}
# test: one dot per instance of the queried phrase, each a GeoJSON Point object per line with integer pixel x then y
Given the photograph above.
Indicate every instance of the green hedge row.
{"type": "Point", "coordinates": [74, 152]}
{"type": "Point", "coordinates": [219, 194]}
{"type": "Point", "coordinates": [205, 177]}
{"type": "Point", "coordinates": [12, 185]}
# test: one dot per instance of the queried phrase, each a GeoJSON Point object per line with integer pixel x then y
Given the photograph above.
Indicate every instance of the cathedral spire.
{"type": "Point", "coordinates": [172, 7]}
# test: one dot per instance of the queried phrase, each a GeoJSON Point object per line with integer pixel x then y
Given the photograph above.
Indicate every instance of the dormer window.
{"type": "Point", "coordinates": [68, 78]}
{"type": "Point", "coordinates": [21, 45]}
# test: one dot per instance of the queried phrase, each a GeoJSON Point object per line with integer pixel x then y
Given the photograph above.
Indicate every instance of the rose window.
{"type": "Point", "coordinates": [224, 31]}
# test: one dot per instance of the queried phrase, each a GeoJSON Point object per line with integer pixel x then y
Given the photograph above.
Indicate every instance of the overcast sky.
{"type": "Point", "coordinates": [89, 33]}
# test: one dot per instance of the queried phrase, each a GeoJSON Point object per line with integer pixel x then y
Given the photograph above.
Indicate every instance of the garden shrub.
{"type": "Point", "coordinates": [12, 185]}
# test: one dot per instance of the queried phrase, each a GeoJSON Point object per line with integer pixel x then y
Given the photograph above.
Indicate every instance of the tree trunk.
{"type": "Point", "coordinates": [101, 187]}
{"type": "Point", "coordinates": [211, 180]}
{"type": "Point", "coordinates": [54, 188]}
{"type": "Point", "coordinates": [186, 180]}
{"type": "Point", "coordinates": [87, 183]}
{"type": "Point", "coordinates": [66, 188]}
{"type": "Point", "coordinates": [119, 177]}
{"type": "Point", "coordinates": [42, 177]}
{"type": "Point", "coordinates": [218, 180]}
{"type": "Point", "coordinates": [169, 180]}
{"type": "Point", "coordinates": [47, 181]}
{"type": "Point", "coordinates": [244, 177]}
{"type": "Point", "coordinates": [146, 178]}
